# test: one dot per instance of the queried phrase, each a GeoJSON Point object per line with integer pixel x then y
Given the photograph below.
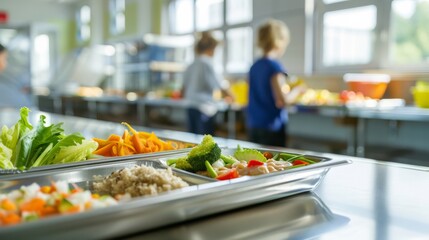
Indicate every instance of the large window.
{"type": "Point", "coordinates": [230, 22]}
{"type": "Point", "coordinates": [410, 32]}
{"type": "Point", "coordinates": [209, 14]}
{"type": "Point", "coordinates": [362, 34]}
{"type": "Point", "coordinates": [117, 16]}
{"type": "Point", "coordinates": [84, 23]}
{"type": "Point", "coordinates": [348, 36]}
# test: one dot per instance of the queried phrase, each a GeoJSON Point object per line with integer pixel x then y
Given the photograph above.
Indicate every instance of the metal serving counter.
{"type": "Point", "coordinates": [363, 200]}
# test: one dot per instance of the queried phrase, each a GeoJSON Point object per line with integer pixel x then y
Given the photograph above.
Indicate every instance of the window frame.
{"type": "Point", "coordinates": [81, 24]}
{"type": "Point", "coordinates": [223, 28]}
{"type": "Point", "coordinates": [114, 13]}
{"type": "Point", "coordinates": [381, 57]}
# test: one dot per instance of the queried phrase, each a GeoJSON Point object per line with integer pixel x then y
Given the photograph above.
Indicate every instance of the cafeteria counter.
{"type": "Point", "coordinates": [363, 200]}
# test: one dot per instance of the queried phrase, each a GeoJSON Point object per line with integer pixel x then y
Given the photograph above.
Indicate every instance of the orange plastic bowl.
{"type": "Point", "coordinates": [370, 85]}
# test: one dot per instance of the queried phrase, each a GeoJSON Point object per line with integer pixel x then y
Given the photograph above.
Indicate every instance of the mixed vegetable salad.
{"type": "Point", "coordinates": [24, 146]}
{"type": "Point", "coordinates": [206, 159]}
{"type": "Point", "coordinates": [33, 202]}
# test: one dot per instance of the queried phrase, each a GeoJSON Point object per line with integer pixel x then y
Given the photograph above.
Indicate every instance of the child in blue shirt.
{"type": "Point", "coordinates": [266, 114]}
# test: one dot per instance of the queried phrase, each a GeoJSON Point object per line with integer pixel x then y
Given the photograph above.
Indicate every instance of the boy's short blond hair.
{"type": "Point", "coordinates": [273, 34]}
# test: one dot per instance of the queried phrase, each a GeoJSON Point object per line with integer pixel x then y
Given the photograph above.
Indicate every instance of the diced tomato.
{"type": "Point", "coordinates": [299, 162]}
{"type": "Point", "coordinates": [228, 175]}
{"type": "Point", "coordinates": [268, 155]}
{"type": "Point", "coordinates": [254, 163]}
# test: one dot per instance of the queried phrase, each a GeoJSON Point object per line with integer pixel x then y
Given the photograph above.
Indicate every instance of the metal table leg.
{"type": "Point", "coordinates": [361, 135]}
{"type": "Point", "coordinates": [231, 123]}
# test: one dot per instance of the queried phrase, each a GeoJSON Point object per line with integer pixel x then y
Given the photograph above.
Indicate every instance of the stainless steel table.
{"type": "Point", "coordinates": [364, 200]}
{"type": "Point", "coordinates": [394, 115]}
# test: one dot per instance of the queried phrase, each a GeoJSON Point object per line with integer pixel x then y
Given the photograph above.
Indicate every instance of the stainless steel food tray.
{"type": "Point", "coordinates": [322, 163]}
{"type": "Point", "coordinates": [204, 198]}
{"type": "Point", "coordinates": [100, 160]}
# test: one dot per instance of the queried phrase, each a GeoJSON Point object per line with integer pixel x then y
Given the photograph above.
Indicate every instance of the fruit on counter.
{"type": "Point", "coordinates": [206, 159]}
{"type": "Point", "coordinates": [132, 143]}
{"type": "Point", "coordinates": [33, 202]}
{"type": "Point", "coordinates": [421, 94]}
{"type": "Point", "coordinates": [346, 96]}
{"type": "Point", "coordinates": [318, 97]}
{"type": "Point", "coordinates": [24, 146]}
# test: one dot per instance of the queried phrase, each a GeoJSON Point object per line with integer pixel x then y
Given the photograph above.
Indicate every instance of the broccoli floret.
{"type": "Point", "coordinates": [207, 150]}
{"type": "Point", "coordinates": [246, 154]}
{"type": "Point", "coordinates": [183, 164]}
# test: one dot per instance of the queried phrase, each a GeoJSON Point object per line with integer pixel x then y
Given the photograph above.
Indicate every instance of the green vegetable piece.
{"type": "Point", "coordinates": [31, 217]}
{"type": "Point", "coordinates": [181, 163]}
{"type": "Point", "coordinates": [210, 170]}
{"type": "Point", "coordinates": [247, 154]}
{"type": "Point", "coordinates": [276, 157]}
{"type": "Point", "coordinates": [171, 161]}
{"type": "Point", "coordinates": [228, 159]}
{"type": "Point", "coordinates": [5, 156]}
{"type": "Point", "coordinates": [64, 206]}
{"type": "Point", "coordinates": [207, 150]}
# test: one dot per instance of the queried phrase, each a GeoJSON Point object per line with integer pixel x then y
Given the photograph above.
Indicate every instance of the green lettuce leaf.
{"type": "Point", "coordinates": [32, 144]}
{"type": "Point", "coordinates": [5, 156]}
{"type": "Point", "coordinates": [76, 153]}
{"type": "Point", "coordinates": [10, 136]}
{"type": "Point", "coordinates": [68, 141]}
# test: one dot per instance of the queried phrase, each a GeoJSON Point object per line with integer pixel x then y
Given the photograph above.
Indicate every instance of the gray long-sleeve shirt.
{"type": "Point", "coordinates": [200, 80]}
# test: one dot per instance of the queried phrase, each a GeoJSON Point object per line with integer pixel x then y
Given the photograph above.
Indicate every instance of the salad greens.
{"type": "Point", "coordinates": [23, 146]}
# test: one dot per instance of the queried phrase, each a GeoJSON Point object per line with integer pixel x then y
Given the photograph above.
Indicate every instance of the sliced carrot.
{"type": "Point", "coordinates": [114, 138]}
{"type": "Point", "coordinates": [106, 150]}
{"type": "Point", "coordinates": [34, 205]}
{"type": "Point", "coordinates": [46, 189]}
{"type": "Point", "coordinates": [11, 218]}
{"type": "Point", "coordinates": [8, 205]}
{"type": "Point", "coordinates": [101, 142]}
{"type": "Point", "coordinates": [73, 209]}
{"type": "Point", "coordinates": [48, 210]}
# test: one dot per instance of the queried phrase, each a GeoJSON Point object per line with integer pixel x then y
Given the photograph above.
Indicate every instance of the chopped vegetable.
{"type": "Point", "coordinates": [30, 203]}
{"type": "Point", "coordinates": [246, 154]}
{"type": "Point", "coordinates": [231, 174]}
{"type": "Point", "coordinates": [24, 146]}
{"type": "Point", "coordinates": [207, 150]}
{"type": "Point", "coordinates": [219, 163]}
{"type": "Point", "coordinates": [299, 162]}
{"type": "Point", "coordinates": [184, 165]}
{"type": "Point", "coordinates": [132, 143]}
{"type": "Point", "coordinates": [212, 173]}
{"type": "Point", "coordinates": [268, 155]}
{"type": "Point", "coordinates": [228, 159]}
{"type": "Point", "coordinates": [254, 163]}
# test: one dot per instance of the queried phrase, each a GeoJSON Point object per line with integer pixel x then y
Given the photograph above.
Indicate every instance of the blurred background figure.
{"type": "Point", "coordinates": [200, 81]}
{"type": "Point", "coordinates": [266, 112]}
{"type": "Point", "coordinates": [13, 92]}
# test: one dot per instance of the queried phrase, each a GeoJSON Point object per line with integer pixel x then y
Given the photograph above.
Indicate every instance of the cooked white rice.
{"type": "Point", "coordinates": [139, 181]}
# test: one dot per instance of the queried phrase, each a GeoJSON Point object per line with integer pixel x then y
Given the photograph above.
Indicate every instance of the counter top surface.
{"type": "Point", "coordinates": [363, 200]}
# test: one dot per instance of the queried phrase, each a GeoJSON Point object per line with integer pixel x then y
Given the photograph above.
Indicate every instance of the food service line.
{"type": "Point", "coordinates": [356, 142]}
{"type": "Point", "coordinates": [363, 200]}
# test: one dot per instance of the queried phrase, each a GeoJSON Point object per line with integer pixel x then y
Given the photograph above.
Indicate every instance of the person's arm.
{"type": "Point", "coordinates": [282, 99]}
{"type": "Point", "coordinates": [216, 83]}
{"type": "Point", "coordinates": [277, 81]}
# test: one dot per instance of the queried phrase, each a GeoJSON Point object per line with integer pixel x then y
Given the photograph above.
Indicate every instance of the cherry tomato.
{"type": "Point", "coordinates": [299, 162]}
{"type": "Point", "coordinates": [254, 163]}
{"type": "Point", "coordinates": [228, 175]}
{"type": "Point", "coordinates": [268, 155]}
